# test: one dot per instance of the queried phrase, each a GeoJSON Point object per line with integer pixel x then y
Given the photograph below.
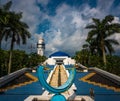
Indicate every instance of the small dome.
{"type": "Point", "coordinates": [59, 53]}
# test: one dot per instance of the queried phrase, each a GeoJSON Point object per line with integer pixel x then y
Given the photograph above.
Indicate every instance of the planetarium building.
{"type": "Point", "coordinates": [60, 58]}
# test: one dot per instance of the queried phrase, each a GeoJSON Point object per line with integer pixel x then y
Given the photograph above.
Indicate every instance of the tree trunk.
{"type": "Point", "coordinates": [0, 38]}
{"type": "Point", "coordinates": [103, 52]}
{"type": "Point", "coordinates": [0, 44]}
{"type": "Point", "coordinates": [10, 55]}
{"type": "Point", "coordinates": [104, 57]}
{"type": "Point", "coordinates": [0, 41]}
{"type": "Point", "coordinates": [10, 61]}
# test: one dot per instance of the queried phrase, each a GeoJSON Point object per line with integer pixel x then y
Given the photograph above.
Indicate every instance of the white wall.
{"type": "Point", "coordinates": [69, 61]}
{"type": "Point", "coordinates": [66, 61]}
{"type": "Point", "coordinates": [50, 61]}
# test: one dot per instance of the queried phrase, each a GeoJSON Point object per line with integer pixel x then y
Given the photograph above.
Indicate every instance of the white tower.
{"type": "Point", "coordinates": [40, 47]}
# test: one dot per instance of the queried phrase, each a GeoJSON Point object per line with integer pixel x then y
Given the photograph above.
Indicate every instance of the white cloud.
{"type": "Point", "coordinates": [116, 47]}
{"type": "Point", "coordinates": [71, 25]}
{"type": "Point", "coordinates": [31, 12]}
{"type": "Point", "coordinates": [31, 16]}
{"type": "Point", "coordinates": [116, 20]}
{"type": "Point", "coordinates": [117, 35]}
{"type": "Point", "coordinates": [67, 31]}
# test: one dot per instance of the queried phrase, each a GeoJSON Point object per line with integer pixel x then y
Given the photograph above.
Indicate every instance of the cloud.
{"type": "Point", "coordinates": [33, 16]}
{"type": "Point", "coordinates": [31, 12]}
{"type": "Point", "coordinates": [116, 36]}
{"type": "Point", "coordinates": [66, 30]}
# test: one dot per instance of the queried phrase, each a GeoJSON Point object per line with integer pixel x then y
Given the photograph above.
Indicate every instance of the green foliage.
{"type": "Point", "coordinates": [113, 62]}
{"type": "Point", "coordinates": [4, 55]}
{"type": "Point", "coordinates": [12, 28]}
{"type": "Point", "coordinates": [82, 56]}
{"type": "Point", "coordinates": [99, 39]}
{"type": "Point", "coordinates": [35, 59]}
{"type": "Point", "coordinates": [95, 61]}
{"type": "Point", "coordinates": [98, 44]}
{"type": "Point", "coordinates": [19, 60]}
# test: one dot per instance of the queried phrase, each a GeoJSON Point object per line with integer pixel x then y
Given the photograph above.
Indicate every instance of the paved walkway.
{"type": "Point", "coordinates": [59, 77]}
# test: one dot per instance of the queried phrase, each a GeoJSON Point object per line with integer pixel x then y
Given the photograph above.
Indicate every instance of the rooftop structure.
{"type": "Point", "coordinates": [60, 58]}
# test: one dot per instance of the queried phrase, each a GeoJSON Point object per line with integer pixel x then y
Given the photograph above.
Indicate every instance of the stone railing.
{"type": "Point", "coordinates": [114, 78]}
{"type": "Point", "coordinates": [5, 79]}
{"type": "Point", "coordinates": [82, 66]}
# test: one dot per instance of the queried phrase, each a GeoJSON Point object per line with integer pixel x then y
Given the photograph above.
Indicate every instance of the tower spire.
{"type": "Point", "coordinates": [40, 46]}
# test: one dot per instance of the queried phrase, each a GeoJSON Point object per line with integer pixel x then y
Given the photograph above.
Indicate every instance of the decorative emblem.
{"type": "Point", "coordinates": [57, 91]}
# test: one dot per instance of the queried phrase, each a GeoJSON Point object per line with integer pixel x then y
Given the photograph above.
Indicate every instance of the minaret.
{"type": "Point", "coordinates": [40, 47]}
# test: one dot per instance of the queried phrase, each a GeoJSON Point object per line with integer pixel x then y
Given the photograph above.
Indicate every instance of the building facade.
{"type": "Point", "coordinates": [60, 58]}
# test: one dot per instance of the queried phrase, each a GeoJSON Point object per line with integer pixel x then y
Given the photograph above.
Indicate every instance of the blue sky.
{"type": "Point", "coordinates": [62, 22]}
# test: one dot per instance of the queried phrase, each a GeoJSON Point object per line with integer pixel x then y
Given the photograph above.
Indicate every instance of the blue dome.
{"type": "Point", "coordinates": [59, 53]}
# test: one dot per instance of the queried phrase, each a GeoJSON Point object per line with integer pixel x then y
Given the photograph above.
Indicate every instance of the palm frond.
{"type": "Point", "coordinates": [113, 41]}
{"type": "Point", "coordinates": [7, 6]}
{"type": "Point", "coordinates": [109, 47]}
{"type": "Point", "coordinates": [91, 34]}
{"type": "Point", "coordinates": [108, 18]}
{"type": "Point", "coordinates": [96, 21]}
{"type": "Point", "coordinates": [91, 27]}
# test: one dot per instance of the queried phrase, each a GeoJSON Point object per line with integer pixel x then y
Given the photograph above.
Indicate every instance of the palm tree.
{"type": "Point", "coordinates": [4, 12]}
{"type": "Point", "coordinates": [101, 30]}
{"type": "Point", "coordinates": [16, 30]}
{"type": "Point", "coordinates": [91, 46]}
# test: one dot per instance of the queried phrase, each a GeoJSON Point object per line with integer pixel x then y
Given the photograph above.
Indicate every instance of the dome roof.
{"type": "Point", "coordinates": [59, 53]}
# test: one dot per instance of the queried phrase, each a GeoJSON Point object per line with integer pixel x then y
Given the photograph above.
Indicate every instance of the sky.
{"type": "Point", "coordinates": [62, 22]}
